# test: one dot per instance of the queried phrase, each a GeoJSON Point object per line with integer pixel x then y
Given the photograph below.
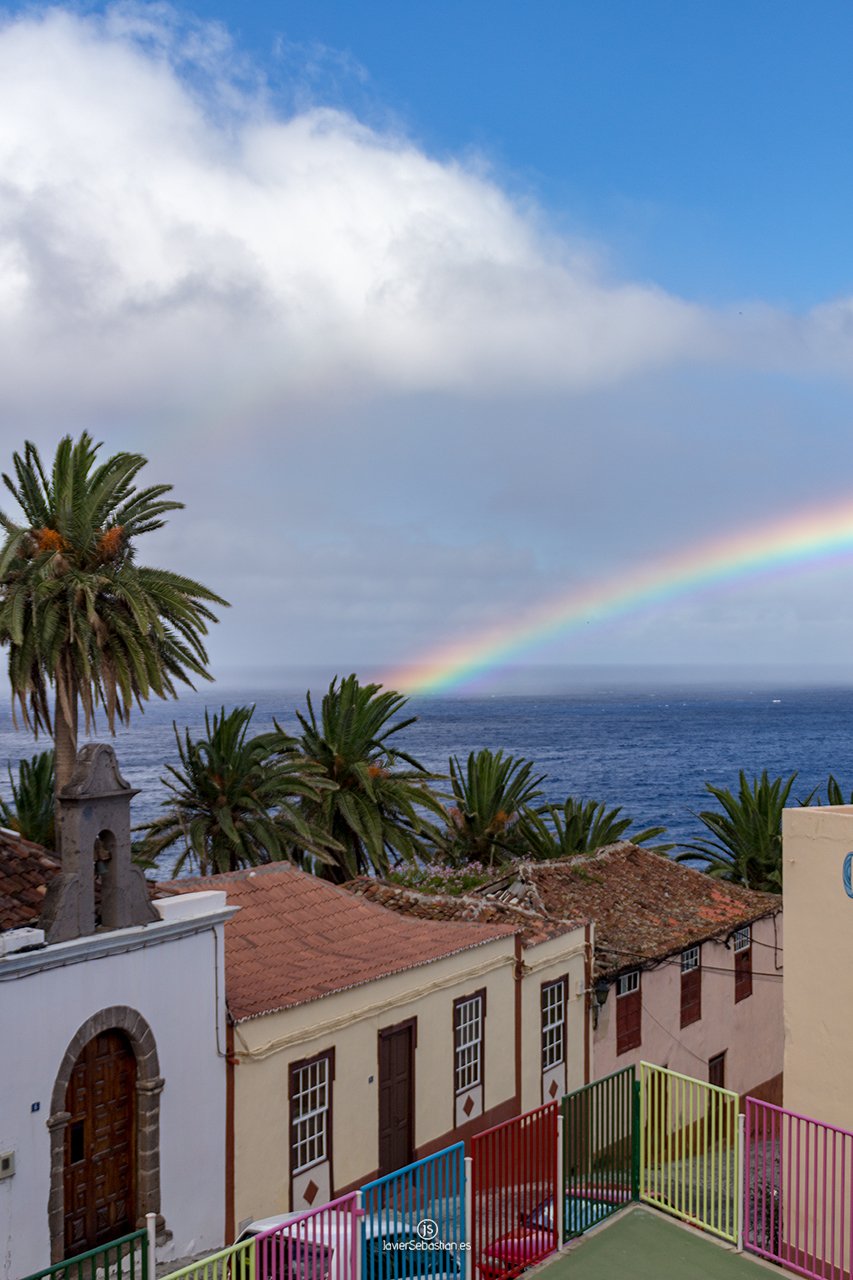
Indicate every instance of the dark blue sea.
{"type": "Point", "coordinates": [650, 750]}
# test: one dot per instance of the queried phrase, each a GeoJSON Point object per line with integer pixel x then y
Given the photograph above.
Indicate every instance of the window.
{"type": "Point", "coordinates": [628, 983]}
{"type": "Point", "coordinates": [468, 1016]}
{"type": "Point", "coordinates": [629, 1011]}
{"type": "Point", "coordinates": [553, 1024]}
{"type": "Point", "coordinates": [743, 963]}
{"type": "Point", "coordinates": [717, 1070]}
{"type": "Point", "coordinates": [691, 986]}
{"type": "Point", "coordinates": [310, 1111]}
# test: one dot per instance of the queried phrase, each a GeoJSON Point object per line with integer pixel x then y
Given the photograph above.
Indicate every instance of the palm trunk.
{"type": "Point", "coordinates": [65, 736]}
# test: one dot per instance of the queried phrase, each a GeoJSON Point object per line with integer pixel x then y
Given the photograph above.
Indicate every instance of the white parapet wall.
{"type": "Point", "coordinates": [166, 978]}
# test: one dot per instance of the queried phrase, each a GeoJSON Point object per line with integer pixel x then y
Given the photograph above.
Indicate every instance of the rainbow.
{"type": "Point", "coordinates": [786, 544]}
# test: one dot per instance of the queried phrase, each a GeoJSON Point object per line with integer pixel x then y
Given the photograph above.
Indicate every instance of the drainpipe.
{"type": "Point", "coordinates": [231, 1061]}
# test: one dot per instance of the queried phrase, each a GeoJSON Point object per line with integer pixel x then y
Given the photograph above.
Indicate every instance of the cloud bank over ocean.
{"type": "Point", "coordinates": [421, 403]}
{"type": "Point", "coordinates": [161, 224]}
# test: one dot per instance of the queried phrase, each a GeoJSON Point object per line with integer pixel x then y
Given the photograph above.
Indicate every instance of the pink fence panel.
{"type": "Point", "coordinates": [321, 1244]}
{"type": "Point", "coordinates": [514, 1194]}
{"type": "Point", "coordinates": [798, 1192]}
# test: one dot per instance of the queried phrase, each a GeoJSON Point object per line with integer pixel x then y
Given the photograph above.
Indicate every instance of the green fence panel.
{"type": "Point", "coordinates": [689, 1163]}
{"type": "Point", "coordinates": [123, 1259]}
{"type": "Point", "coordinates": [598, 1151]}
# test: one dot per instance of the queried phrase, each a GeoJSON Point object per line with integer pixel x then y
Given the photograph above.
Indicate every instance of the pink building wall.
{"type": "Point", "coordinates": [750, 1032]}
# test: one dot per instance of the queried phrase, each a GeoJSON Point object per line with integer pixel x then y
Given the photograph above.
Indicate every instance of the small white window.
{"type": "Point", "coordinates": [553, 1024]}
{"type": "Point", "coordinates": [310, 1112]}
{"type": "Point", "coordinates": [743, 938]}
{"type": "Point", "coordinates": [628, 983]}
{"type": "Point", "coordinates": [690, 960]}
{"type": "Point", "coordinates": [469, 1043]}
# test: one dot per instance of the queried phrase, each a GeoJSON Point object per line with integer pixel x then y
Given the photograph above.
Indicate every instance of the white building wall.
{"type": "Point", "coordinates": [177, 984]}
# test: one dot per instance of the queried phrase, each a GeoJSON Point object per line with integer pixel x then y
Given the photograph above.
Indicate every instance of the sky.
{"type": "Point", "coordinates": [434, 312]}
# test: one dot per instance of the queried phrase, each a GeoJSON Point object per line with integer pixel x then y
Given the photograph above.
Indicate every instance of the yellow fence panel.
{"type": "Point", "coordinates": [690, 1164]}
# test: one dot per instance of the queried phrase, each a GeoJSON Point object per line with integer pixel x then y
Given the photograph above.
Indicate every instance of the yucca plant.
{"type": "Point", "coordinates": [31, 812]}
{"type": "Point", "coordinates": [493, 807]}
{"type": "Point", "coordinates": [747, 844]}
{"type": "Point", "coordinates": [582, 826]}
{"type": "Point", "coordinates": [77, 612]}
{"type": "Point", "coordinates": [234, 800]}
{"type": "Point", "coordinates": [375, 813]}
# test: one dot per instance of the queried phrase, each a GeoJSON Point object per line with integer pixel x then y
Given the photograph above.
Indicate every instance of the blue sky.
{"type": "Point", "coordinates": [431, 311]}
{"type": "Point", "coordinates": [707, 142]}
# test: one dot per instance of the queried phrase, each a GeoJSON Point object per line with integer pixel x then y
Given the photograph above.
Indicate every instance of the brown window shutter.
{"type": "Point", "coordinates": [629, 1013]}
{"type": "Point", "coordinates": [743, 973]}
{"type": "Point", "coordinates": [691, 996]}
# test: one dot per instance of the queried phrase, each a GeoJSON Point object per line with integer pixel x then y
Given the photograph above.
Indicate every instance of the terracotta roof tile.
{"type": "Point", "coordinates": [645, 905]}
{"type": "Point", "coordinates": [531, 925]}
{"type": "Point", "coordinates": [297, 938]}
{"type": "Point", "coordinates": [26, 869]}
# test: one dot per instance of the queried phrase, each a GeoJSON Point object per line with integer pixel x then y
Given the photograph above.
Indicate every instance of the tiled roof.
{"type": "Point", "coordinates": [26, 869]}
{"type": "Point", "coordinates": [533, 926]}
{"type": "Point", "coordinates": [645, 906]}
{"type": "Point", "coordinates": [297, 938]}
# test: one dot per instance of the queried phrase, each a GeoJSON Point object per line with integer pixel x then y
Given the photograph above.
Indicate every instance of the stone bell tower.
{"type": "Point", "coordinates": [99, 887]}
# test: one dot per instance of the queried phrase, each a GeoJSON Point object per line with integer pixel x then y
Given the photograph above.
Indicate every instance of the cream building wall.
{"type": "Point", "coordinates": [819, 963]}
{"type": "Point", "coordinates": [562, 957]}
{"type": "Point", "coordinates": [750, 1031]}
{"type": "Point", "coordinates": [349, 1022]}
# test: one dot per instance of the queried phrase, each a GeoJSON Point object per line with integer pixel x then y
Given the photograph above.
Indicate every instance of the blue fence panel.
{"type": "Point", "coordinates": [414, 1220]}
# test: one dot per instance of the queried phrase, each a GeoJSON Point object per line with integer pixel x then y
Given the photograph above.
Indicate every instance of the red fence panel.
{"type": "Point", "coordinates": [514, 1194]}
{"type": "Point", "coordinates": [798, 1192]}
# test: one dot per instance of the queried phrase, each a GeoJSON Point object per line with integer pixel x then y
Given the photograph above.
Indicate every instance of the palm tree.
{"type": "Point", "coordinates": [31, 812]}
{"type": "Point", "coordinates": [582, 826]}
{"type": "Point", "coordinates": [77, 612]}
{"type": "Point", "coordinates": [234, 800]}
{"type": "Point", "coordinates": [376, 811]}
{"type": "Point", "coordinates": [493, 812]}
{"type": "Point", "coordinates": [747, 844]}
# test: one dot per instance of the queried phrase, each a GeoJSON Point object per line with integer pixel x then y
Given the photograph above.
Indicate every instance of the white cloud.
{"type": "Point", "coordinates": [162, 229]}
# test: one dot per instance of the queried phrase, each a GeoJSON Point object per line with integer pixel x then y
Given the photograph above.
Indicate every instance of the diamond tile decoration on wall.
{"type": "Point", "coordinates": [310, 1192]}
{"type": "Point", "coordinates": [468, 1105]}
{"type": "Point", "coordinates": [554, 1090]}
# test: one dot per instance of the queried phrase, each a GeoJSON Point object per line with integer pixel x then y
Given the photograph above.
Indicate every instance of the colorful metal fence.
{"type": "Point", "coordinates": [599, 1159]}
{"type": "Point", "coordinates": [689, 1161]}
{"type": "Point", "coordinates": [320, 1244]}
{"type": "Point", "coordinates": [798, 1199]}
{"type": "Point", "coordinates": [414, 1220]}
{"type": "Point", "coordinates": [122, 1259]}
{"type": "Point", "coordinates": [514, 1194]}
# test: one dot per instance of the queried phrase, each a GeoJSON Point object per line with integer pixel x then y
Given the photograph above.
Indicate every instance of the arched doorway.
{"type": "Point", "coordinates": [134, 1033]}
{"type": "Point", "coordinates": [99, 1172]}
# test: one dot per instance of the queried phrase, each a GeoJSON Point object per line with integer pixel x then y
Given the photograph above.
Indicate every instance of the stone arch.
{"type": "Point", "coordinates": [149, 1086]}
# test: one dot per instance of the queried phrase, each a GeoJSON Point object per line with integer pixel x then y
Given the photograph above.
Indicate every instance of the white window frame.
{"type": "Point", "coordinates": [468, 1041]}
{"type": "Point", "coordinates": [743, 938]}
{"type": "Point", "coordinates": [628, 983]}
{"type": "Point", "coordinates": [690, 960]}
{"type": "Point", "coordinates": [310, 1103]}
{"type": "Point", "coordinates": [553, 1010]}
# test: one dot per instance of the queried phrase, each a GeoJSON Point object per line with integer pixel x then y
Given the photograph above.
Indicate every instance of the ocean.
{"type": "Point", "coordinates": [650, 749]}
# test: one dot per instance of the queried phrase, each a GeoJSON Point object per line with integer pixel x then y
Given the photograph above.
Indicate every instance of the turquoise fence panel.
{"type": "Point", "coordinates": [414, 1220]}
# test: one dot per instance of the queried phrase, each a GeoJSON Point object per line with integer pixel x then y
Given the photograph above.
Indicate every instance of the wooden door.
{"type": "Point", "coordinates": [100, 1144]}
{"type": "Point", "coordinates": [396, 1098]}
